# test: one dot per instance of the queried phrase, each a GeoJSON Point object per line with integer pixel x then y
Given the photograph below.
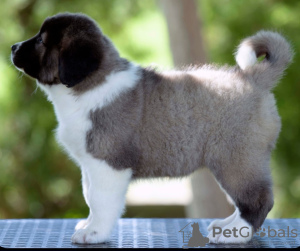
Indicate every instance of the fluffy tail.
{"type": "Point", "coordinates": [278, 54]}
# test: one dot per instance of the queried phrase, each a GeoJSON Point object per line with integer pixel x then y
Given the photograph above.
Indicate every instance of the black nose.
{"type": "Point", "coordinates": [14, 47]}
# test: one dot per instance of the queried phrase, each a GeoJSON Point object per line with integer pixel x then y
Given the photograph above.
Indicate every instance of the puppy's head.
{"type": "Point", "coordinates": [67, 49]}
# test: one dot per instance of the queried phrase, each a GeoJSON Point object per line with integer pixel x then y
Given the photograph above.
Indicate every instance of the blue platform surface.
{"type": "Point", "coordinates": [140, 233]}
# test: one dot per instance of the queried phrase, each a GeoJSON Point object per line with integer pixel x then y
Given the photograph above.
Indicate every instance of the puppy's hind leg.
{"type": "Point", "coordinates": [249, 185]}
{"type": "Point", "coordinates": [106, 199]}
{"type": "Point", "coordinates": [222, 223]}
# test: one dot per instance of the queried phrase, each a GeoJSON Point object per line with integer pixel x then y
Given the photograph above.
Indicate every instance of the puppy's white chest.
{"type": "Point", "coordinates": [72, 111]}
{"type": "Point", "coordinates": [72, 135]}
{"type": "Point", "coordinates": [72, 116]}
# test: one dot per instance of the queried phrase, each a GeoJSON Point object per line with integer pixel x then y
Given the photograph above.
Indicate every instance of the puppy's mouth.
{"type": "Point", "coordinates": [12, 58]}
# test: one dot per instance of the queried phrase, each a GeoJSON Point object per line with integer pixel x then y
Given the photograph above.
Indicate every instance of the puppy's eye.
{"type": "Point", "coordinates": [39, 40]}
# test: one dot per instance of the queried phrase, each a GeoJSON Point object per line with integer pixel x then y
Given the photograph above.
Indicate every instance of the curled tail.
{"type": "Point", "coordinates": [278, 54]}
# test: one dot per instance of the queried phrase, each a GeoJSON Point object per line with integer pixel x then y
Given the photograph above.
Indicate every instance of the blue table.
{"type": "Point", "coordinates": [135, 233]}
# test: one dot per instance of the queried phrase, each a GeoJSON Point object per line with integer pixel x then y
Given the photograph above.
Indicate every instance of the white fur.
{"type": "Point", "coordinates": [85, 189]}
{"type": "Point", "coordinates": [104, 188]}
{"type": "Point", "coordinates": [72, 111]}
{"type": "Point", "coordinates": [245, 56]}
{"type": "Point", "coordinates": [230, 222]}
{"type": "Point", "coordinates": [106, 199]}
{"type": "Point", "coordinates": [222, 222]}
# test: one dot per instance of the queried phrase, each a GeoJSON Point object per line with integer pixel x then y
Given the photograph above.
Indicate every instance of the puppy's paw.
{"type": "Point", "coordinates": [237, 231]}
{"type": "Point", "coordinates": [89, 236]}
{"type": "Point", "coordinates": [223, 222]}
{"type": "Point", "coordinates": [81, 224]}
{"type": "Point", "coordinates": [212, 238]}
{"type": "Point", "coordinates": [215, 223]}
{"type": "Point", "coordinates": [234, 240]}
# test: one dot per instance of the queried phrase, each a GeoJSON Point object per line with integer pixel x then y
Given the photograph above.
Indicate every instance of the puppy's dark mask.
{"type": "Point", "coordinates": [77, 61]}
{"type": "Point", "coordinates": [66, 50]}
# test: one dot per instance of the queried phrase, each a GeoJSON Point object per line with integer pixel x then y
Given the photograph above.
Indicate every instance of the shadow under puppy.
{"type": "Point", "coordinates": [120, 121]}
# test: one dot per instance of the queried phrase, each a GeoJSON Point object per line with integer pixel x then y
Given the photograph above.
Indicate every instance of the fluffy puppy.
{"type": "Point", "coordinates": [120, 121]}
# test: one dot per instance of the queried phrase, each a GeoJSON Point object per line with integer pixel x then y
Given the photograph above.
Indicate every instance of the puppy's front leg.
{"type": "Point", "coordinates": [106, 199]}
{"type": "Point", "coordinates": [85, 188]}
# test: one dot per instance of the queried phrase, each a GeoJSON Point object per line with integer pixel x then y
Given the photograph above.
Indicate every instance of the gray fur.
{"type": "Point", "coordinates": [278, 54]}
{"type": "Point", "coordinates": [171, 124]}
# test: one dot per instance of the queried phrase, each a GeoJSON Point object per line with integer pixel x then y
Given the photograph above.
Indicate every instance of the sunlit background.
{"type": "Point", "coordinates": [37, 180]}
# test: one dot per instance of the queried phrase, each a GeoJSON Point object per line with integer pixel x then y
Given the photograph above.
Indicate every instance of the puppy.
{"type": "Point", "coordinates": [120, 121]}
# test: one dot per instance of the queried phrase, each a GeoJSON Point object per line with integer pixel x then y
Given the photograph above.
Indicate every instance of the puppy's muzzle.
{"type": "Point", "coordinates": [15, 47]}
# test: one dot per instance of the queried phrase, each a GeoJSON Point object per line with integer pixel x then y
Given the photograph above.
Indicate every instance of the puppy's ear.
{"type": "Point", "coordinates": [76, 61]}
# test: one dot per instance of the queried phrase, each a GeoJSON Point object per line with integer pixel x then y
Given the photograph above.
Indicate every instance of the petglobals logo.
{"type": "Point", "coordinates": [270, 232]}
{"type": "Point", "coordinates": [234, 232]}
{"type": "Point", "coordinates": [192, 237]}
{"type": "Point", "coordinates": [262, 232]}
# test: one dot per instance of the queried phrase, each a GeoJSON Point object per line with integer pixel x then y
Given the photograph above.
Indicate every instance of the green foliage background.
{"type": "Point", "coordinates": [38, 180]}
